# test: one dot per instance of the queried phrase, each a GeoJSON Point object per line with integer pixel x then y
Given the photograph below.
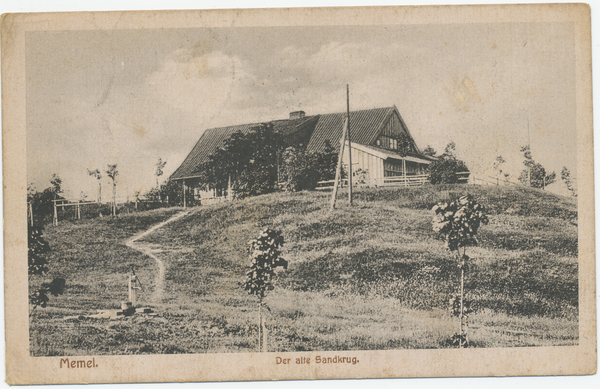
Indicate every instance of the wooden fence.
{"type": "Point", "coordinates": [417, 180]}
{"type": "Point", "coordinates": [489, 180]}
{"type": "Point", "coordinates": [397, 181]}
{"type": "Point", "coordinates": [61, 203]}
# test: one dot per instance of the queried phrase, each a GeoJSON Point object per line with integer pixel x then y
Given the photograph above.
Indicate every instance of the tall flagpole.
{"type": "Point", "coordinates": [338, 170]}
{"type": "Point", "coordinates": [349, 146]}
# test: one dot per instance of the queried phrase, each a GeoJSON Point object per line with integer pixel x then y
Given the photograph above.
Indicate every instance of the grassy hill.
{"type": "Point", "coordinates": [371, 276]}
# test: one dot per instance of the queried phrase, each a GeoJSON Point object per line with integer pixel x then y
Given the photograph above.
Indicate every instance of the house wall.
{"type": "Point", "coordinates": [372, 165]}
{"type": "Point", "coordinates": [376, 168]}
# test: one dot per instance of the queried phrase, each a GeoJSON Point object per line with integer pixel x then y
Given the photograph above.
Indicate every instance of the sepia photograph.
{"type": "Point", "coordinates": [302, 191]}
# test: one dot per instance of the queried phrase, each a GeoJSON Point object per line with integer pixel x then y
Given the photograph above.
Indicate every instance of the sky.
{"type": "Point", "coordinates": [129, 97]}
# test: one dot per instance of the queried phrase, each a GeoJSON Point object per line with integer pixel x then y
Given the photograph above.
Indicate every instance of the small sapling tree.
{"type": "Point", "coordinates": [160, 165]}
{"type": "Point", "coordinates": [98, 176]}
{"type": "Point", "coordinates": [498, 166]}
{"type": "Point", "coordinates": [112, 172]}
{"type": "Point", "coordinates": [565, 174]}
{"type": "Point", "coordinates": [56, 183]}
{"type": "Point", "coordinates": [458, 222]}
{"type": "Point", "coordinates": [265, 256]}
{"type": "Point", "coordinates": [534, 174]}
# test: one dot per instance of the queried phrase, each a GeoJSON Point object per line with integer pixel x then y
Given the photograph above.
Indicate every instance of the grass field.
{"type": "Point", "coordinates": [373, 276]}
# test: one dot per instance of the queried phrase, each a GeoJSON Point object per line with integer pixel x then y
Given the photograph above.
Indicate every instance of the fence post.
{"type": "Point", "coordinates": [132, 288]}
{"type": "Point", "coordinates": [55, 220]}
{"type": "Point", "coordinates": [31, 213]}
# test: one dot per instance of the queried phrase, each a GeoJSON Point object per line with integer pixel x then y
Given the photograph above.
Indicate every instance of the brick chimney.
{"type": "Point", "coordinates": [297, 114]}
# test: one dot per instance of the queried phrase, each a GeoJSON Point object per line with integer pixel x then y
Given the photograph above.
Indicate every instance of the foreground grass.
{"type": "Point", "coordinates": [91, 255]}
{"type": "Point", "coordinates": [369, 277]}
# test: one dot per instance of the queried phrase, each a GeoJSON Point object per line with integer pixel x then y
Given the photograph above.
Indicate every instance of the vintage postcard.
{"type": "Point", "coordinates": [308, 193]}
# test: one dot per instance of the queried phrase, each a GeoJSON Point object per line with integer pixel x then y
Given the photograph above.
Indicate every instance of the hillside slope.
{"type": "Point", "coordinates": [371, 276]}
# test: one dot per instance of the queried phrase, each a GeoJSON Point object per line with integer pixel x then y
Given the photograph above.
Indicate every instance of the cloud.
{"type": "Point", "coordinates": [207, 83]}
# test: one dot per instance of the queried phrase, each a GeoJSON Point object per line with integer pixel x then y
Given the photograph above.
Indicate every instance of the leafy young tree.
{"type": "Point", "coordinates": [112, 173]}
{"type": "Point", "coordinates": [534, 174]}
{"type": "Point", "coordinates": [265, 257]}
{"type": "Point", "coordinates": [565, 175]}
{"type": "Point", "coordinates": [458, 223]}
{"type": "Point", "coordinates": [56, 183]}
{"type": "Point", "coordinates": [444, 169]}
{"type": "Point", "coordinates": [429, 151]}
{"type": "Point", "coordinates": [498, 168]}
{"type": "Point", "coordinates": [160, 165]}
{"type": "Point", "coordinates": [98, 176]}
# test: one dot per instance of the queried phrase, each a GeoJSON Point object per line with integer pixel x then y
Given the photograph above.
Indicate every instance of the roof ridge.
{"type": "Point", "coordinates": [265, 122]}
{"type": "Point", "coordinates": [305, 117]}
{"type": "Point", "coordinates": [358, 110]}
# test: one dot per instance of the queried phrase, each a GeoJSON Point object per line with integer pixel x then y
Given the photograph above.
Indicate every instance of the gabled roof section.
{"type": "Point", "coordinates": [407, 131]}
{"type": "Point", "coordinates": [214, 138]}
{"type": "Point", "coordinates": [396, 113]}
{"type": "Point", "coordinates": [364, 125]}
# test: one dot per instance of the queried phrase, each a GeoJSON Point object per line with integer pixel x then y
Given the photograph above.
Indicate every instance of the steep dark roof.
{"type": "Point", "coordinates": [364, 126]}
{"type": "Point", "coordinates": [213, 138]}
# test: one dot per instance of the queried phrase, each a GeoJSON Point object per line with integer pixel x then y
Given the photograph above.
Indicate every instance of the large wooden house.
{"type": "Point", "coordinates": [374, 140]}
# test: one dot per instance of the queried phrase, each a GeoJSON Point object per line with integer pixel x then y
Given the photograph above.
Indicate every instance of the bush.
{"type": "Point", "coordinates": [443, 171]}
{"type": "Point", "coordinates": [38, 247]}
{"type": "Point", "coordinates": [298, 171]}
{"type": "Point", "coordinates": [41, 202]}
{"type": "Point", "coordinates": [302, 171]}
{"type": "Point", "coordinates": [171, 193]}
{"type": "Point", "coordinates": [537, 176]}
